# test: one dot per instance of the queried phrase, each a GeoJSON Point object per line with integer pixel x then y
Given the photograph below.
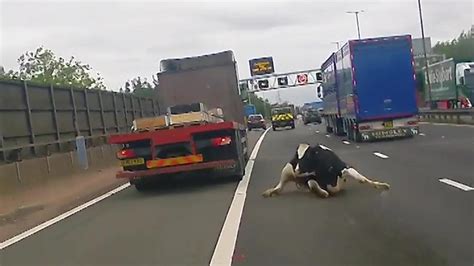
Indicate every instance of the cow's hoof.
{"type": "Point", "coordinates": [324, 194]}
{"type": "Point", "coordinates": [267, 194]}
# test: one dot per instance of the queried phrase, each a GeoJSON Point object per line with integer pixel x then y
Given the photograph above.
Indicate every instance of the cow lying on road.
{"type": "Point", "coordinates": [321, 170]}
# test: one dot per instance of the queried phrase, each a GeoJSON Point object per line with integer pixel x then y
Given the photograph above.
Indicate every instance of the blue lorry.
{"type": "Point", "coordinates": [369, 89]}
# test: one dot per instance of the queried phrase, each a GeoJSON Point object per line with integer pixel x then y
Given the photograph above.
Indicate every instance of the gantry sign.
{"type": "Point", "coordinates": [276, 81]}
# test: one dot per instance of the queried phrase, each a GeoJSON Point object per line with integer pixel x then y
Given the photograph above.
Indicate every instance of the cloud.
{"type": "Point", "coordinates": [129, 38]}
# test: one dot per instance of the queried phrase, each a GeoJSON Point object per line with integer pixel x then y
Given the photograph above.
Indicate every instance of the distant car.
{"type": "Point", "coordinates": [256, 121]}
{"type": "Point", "coordinates": [311, 116]}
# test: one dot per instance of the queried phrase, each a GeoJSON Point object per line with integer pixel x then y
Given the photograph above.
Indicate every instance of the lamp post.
{"type": "Point", "coordinates": [337, 44]}
{"type": "Point", "coordinates": [428, 82]}
{"type": "Point", "coordinates": [356, 12]}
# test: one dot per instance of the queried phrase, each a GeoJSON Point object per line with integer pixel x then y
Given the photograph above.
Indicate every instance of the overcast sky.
{"type": "Point", "coordinates": [124, 39]}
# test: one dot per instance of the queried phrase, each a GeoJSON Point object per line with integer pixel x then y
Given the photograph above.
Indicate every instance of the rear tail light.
{"type": "Point", "coordinates": [364, 127]}
{"type": "Point", "coordinates": [221, 141]}
{"type": "Point", "coordinates": [412, 123]}
{"type": "Point", "coordinates": [125, 154]}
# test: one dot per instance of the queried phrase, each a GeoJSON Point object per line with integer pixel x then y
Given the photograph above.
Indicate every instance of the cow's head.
{"type": "Point", "coordinates": [307, 158]}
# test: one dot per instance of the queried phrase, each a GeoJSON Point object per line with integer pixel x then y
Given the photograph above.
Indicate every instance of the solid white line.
{"type": "Point", "coordinates": [63, 216]}
{"type": "Point", "coordinates": [346, 142]}
{"type": "Point", "coordinates": [381, 155]}
{"type": "Point", "coordinates": [456, 184]}
{"type": "Point", "coordinates": [226, 243]}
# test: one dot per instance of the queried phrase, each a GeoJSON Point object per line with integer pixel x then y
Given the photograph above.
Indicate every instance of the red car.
{"type": "Point", "coordinates": [256, 121]}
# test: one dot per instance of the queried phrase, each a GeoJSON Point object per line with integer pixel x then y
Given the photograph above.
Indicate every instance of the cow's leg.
{"type": "Point", "coordinates": [287, 174]}
{"type": "Point", "coordinates": [314, 187]}
{"type": "Point", "coordinates": [351, 172]}
{"type": "Point", "coordinates": [337, 187]}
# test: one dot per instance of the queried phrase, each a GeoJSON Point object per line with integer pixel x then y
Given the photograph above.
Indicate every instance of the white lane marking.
{"type": "Point", "coordinates": [226, 243]}
{"type": "Point", "coordinates": [422, 134]}
{"type": "Point", "coordinates": [317, 131]}
{"type": "Point", "coordinates": [346, 142]}
{"type": "Point", "coordinates": [328, 136]}
{"type": "Point", "coordinates": [324, 147]}
{"type": "Point", "coordinates": [60, 217]}
{"type": "Point", "coordinates": [445, 124]}
{"type": "Point", "coordinates": [381, 155]}
{"type": "Point", "coordinates": [456, 184]}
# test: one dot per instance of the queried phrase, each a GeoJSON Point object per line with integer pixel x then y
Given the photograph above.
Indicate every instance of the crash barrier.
{"type": "Point", "coordinates": [458, 116]}
{"type": "Point", "coordinates": [36, 121]}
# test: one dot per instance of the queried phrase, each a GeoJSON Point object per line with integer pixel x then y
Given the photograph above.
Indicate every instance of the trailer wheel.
{"type": "Point", "coordinates": [140, 185]}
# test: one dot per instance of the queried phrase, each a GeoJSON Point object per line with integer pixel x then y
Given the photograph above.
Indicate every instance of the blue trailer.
{"type": "Point", "coordinates": [369, 89]}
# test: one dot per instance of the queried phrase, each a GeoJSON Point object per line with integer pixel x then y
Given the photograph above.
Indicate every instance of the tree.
{"type": "Point", "coordinates": [140, 87]}
{"type": "Point", "coordinates": [262, 106]}
{"type": "Point", "coordinates": [461, 48]}
{"type": "Point", "coordinates": [44, 67]}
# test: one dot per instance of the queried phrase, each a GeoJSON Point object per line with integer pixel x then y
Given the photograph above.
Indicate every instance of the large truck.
{"type": "Point", "coordinates": [187, 137]}
{"type": "Point", "coordinates": [369, 89]}
{"type": "Point", "coordinates": [452, 85]}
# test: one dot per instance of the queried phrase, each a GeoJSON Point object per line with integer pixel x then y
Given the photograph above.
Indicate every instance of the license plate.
{"type": "Point", "coordinates": [388, 124]}
{"type": "Point", "coordinates": [131, 162]}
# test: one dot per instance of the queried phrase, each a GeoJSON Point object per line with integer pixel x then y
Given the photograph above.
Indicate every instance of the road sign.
{"type": "Point", "coordinates": [261, 66]}
{"type": "Point", "coordinates": [282, 81]}
{"type": "Point", "coordinates": [319, 76]}
{"type": "Point", "coordinates": [302, 78]}
{"type": "Point", "coordinates": [263, 84]}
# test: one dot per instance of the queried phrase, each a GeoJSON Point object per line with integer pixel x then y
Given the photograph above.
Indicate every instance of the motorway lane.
{"type": "Point", "coordinates": [420, 221]}
{"type": "Point", "coordinates": [177, 223]}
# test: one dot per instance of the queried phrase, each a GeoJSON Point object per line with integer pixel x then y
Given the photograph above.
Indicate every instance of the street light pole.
{"type": "Point", "coordinates": [357, 20]}
{"type": "Point", "coordinates": [428, 82]}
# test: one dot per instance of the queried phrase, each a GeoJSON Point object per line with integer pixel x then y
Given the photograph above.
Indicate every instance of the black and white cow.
{"type": "Point", "coordinates": [321, 170]}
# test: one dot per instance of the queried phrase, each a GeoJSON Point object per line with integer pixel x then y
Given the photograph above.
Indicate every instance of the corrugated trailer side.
{"type": "Point", "coordinates": [210, 79]}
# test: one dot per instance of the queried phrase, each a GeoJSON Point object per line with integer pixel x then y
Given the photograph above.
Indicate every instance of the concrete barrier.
{"type": "Point", "coordinates": [35, 172]}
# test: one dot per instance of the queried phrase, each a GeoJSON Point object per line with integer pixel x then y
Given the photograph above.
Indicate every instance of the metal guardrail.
{"type": "Point", "coordinates": [456, 116]}
{"type": "Point", "coordinates": [14, 153]}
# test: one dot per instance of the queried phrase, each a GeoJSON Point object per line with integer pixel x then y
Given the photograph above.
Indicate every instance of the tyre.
{"type": "Point", "coordinates": [235, 177]}
{"type": "Point", "coordinates": [140, 185]}
{"type": "Point", "coordinates": [250, 129]}
{"type": "Point", "coordinates": [292, 126]}
{"type": "Point", "coordinates": [329, 129]}
{"type": "Point", "coordinates": [274, 128]}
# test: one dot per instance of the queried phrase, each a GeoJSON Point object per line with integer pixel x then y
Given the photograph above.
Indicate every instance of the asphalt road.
{"type": "Point", "coordinates": [420, 221]}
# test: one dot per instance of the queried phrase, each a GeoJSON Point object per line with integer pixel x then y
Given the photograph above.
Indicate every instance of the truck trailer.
{"type": "Point", "coordinates": [370, 89]}
{"type": "Point", "coordinates": [188, 137]}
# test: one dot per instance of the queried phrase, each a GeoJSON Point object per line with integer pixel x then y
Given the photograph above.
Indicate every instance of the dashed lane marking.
{"type": "Point", "coordinates": [422, 134]}
{"type": "Point", "coordinates": [381, 155]}
{"type": "Point", "coordinates": [346, 142]}
{"type": "Point", "coordinates": [456, 184]}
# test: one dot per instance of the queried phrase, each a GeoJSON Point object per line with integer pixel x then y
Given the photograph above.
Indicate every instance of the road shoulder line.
{"type": "Point", "coordinates": [228, 236]}
{"type": "Point", "coordinates": [60, 217]}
